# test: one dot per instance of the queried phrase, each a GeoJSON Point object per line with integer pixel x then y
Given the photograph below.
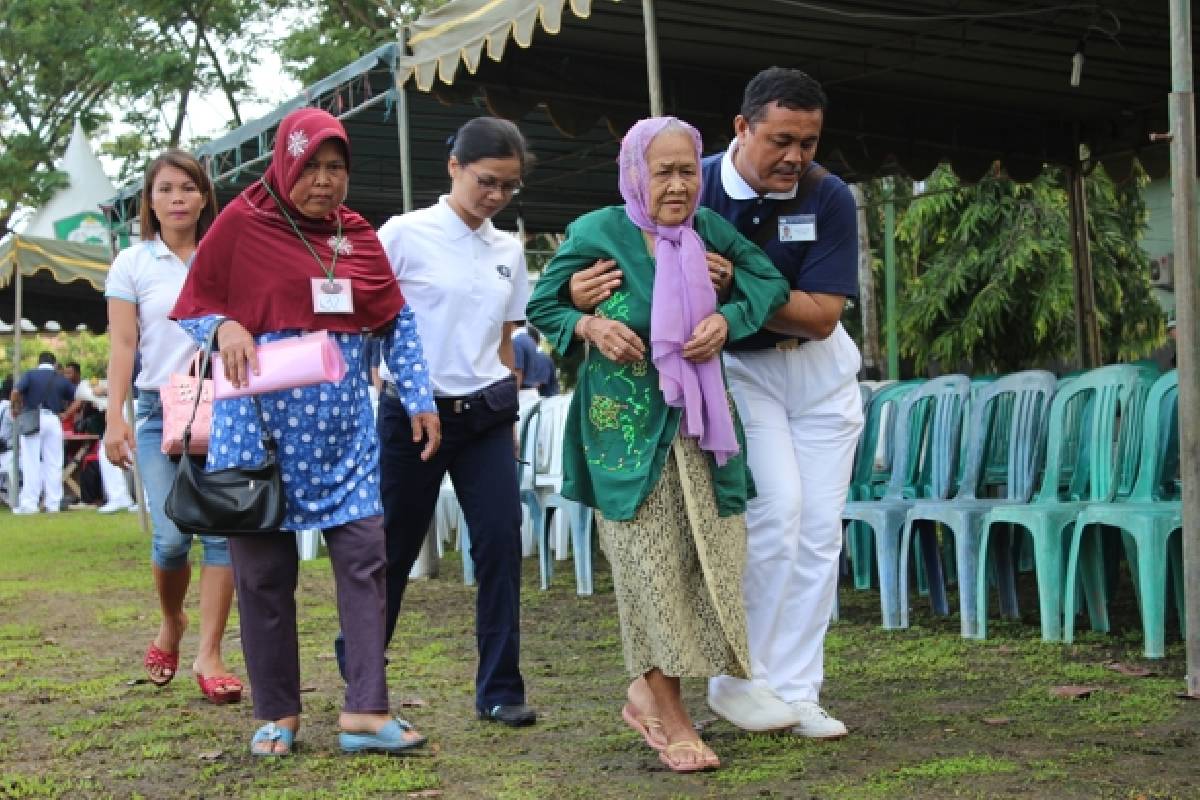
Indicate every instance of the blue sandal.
{"type": "Point", "coordinates": [273, 733]}
{"type": "Point", "coordinates": [390, 739]}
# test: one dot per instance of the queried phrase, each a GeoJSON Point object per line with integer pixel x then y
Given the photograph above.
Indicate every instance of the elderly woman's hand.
{"type": "Point", "coordinates": [720, 272]}
{"type": "Point", "coordinates": [592, 286]}
{"type": "Point", "coordinates": [238, 353]}
{"type": "Point", "coordinates": [427, 426]}
{"type": "Point", "coordinates": [613, 339]}
{"type": "Point", "coordinates": [707, 339]}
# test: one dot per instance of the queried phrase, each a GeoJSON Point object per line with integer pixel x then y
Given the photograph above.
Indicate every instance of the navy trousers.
{"type": "Point", "coordinates": [477, 451]}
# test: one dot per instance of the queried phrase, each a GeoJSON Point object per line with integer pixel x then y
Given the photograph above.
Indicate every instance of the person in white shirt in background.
{"type": "Point", "coordinates": [114, 479]}
{"type": "Point", "coordinates": [7, 437]}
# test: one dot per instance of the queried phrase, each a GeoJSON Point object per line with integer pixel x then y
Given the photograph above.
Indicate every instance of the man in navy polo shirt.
{"type": "Point", "coordinates": [535, 369]}
{"type": "Point", "coordinates": [795, 385]}
{"type": "Point", "coordinates": [42, 452]}
{"type": "Point", "coordinates": [796, 388]}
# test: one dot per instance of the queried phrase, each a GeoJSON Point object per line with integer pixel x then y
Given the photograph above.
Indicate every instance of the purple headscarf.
{"type": "Point", "coordinates": [683, 295]}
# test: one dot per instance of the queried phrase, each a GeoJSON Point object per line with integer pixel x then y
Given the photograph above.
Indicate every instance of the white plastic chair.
{"type": "Point", "coordinates": [308, 543]}
{"type": "Point", "coordinates": [542, 486]}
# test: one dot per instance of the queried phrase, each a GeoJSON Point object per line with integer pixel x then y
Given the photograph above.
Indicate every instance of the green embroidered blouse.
{"type": "Point", "coordinates": [619, 428]}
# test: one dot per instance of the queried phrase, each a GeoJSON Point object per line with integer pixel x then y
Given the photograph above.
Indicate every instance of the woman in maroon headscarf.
{"type": "Point", "coordinates": [284, 258]}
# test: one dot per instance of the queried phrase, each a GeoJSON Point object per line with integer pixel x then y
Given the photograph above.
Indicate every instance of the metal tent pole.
{"type": "Point", "coordinates": [14, 472]}
{"type": "Point", "coordinates": [891, 313]}
{"type": "Point", "coordinates": [1183, 220]}
{"type": "Point", "coordinates": [653, 74]}
{"type": "Point", "coordinates": [1087, 330]}
{"type": "Point", "coordinates": [402, 129]}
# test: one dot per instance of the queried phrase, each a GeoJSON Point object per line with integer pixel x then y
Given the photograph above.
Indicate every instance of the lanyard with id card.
{"type": "Point", "coordinates": [330, 295]}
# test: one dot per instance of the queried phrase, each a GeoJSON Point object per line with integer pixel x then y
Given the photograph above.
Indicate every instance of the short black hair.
{"type": "Point", "coordinates": [46, 357]}
{"type": "Point", "coordinates": [490, 137]}
{"type": "Point", "coordinates": [788, 87]}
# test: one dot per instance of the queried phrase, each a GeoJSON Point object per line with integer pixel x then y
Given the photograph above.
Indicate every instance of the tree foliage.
{"type": "Point", "coordinates": [57, 63]}
{"type": "Point", "coordinates": [339, 31]}
{"type": "Point", "coordinates": [134, 62]}
{"type": "Point", "coordinates": [986, 273]}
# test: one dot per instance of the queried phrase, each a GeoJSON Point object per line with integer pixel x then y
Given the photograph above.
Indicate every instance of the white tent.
{"type": "Point", "coordinates": [73, 214]}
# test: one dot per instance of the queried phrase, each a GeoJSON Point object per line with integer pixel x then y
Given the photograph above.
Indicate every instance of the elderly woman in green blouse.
{"type": "Point", "coordinates": [652, 439]}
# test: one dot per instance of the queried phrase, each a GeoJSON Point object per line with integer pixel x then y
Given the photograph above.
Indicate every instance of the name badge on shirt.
{"type": "Point", "coordinates": [332, 296]}
{"type": "Point", "coordinates": [798, 228]}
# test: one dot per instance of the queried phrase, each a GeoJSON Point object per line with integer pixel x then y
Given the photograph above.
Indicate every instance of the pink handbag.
{"type": "Point", "coordinates": [286, 364]}
{"type": "Point", "coordinates": [178, 396]}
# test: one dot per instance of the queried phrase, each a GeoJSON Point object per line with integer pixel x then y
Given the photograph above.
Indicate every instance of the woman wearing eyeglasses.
{"type": "Point", "coordinates": [466, 283]}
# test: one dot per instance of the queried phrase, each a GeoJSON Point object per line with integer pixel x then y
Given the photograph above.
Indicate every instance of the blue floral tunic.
{"type": "Point", "coordinates": [328, 448]}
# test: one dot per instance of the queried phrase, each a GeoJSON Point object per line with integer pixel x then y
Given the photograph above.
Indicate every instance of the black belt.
{"type": "Point", "coordinates": [451, 405]}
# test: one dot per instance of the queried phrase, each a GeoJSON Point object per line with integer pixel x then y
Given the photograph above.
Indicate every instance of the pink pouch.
{"type": "Point", "coordinates": [286, 364]}
{"type": "Point", "coordinates": [178, 397]}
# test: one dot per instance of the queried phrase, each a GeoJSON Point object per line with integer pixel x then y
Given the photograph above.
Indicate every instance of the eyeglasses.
{"type": "Point", "coordinates": [490, 183]}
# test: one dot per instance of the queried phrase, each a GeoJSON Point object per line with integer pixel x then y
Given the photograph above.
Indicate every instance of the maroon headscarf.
{"type": "Point", "coordinates": [253, 268]}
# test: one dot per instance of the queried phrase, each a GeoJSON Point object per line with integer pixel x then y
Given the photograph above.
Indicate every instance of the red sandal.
{"type": "Point", "coordinates": [166, 663]}
{"type": "Point", "coordinates": [220, 689]}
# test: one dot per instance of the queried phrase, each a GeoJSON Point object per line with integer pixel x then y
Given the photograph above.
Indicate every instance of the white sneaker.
{"type": "Point", "coordinates": [815, 723]}
{"type": "Point", "coordinates": [749, 705]}
{"type": "Point", "coordinates": [23, 511]}
{"type": "Point", "coordinates": [112, 508]}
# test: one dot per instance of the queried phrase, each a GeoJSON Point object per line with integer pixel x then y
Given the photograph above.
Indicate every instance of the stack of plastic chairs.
{"type": "Point", "coordinates": [1012, 411]}
{"type": "Point", "coordinates": [1150, 520]}
{"type": "Point", "coordinates": [1095, 423]}
{"type": "Point", "coordinates": [541, 486]}
{"type": "Point", "coordinates": [926, 443]}
{"type": "Point", "coordinates": [871, 470]}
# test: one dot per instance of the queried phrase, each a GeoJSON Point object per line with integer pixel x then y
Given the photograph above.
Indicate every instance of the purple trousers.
{"type": "Point", "coordinates": [265, 570]}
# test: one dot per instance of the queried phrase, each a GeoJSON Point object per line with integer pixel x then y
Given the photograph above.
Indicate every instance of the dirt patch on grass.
{"type": "Point", "coordinates": [931, 715]}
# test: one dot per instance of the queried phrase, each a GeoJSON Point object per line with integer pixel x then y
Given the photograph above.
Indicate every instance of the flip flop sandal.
{"type": "Point", "coordinates": [647, 726]}
{"type": "Point", "coordinates": [389, 739]}
{"type": "Point", "coordinates": [163, 661]}
{"type": "Point", "coordinates": [273, 734]}
{"type": "Point", "coordinates": [669, 753]}
{"type": "Point", "coordinates": [220, 690]}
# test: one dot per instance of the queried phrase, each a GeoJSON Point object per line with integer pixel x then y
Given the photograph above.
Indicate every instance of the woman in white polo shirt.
{"type": "Point", "coordinates": [467, 285]}
{"type": "Point", "coordinates": [178, 205]}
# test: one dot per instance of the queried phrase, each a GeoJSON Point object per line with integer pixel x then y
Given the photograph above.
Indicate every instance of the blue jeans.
{"type": "Point", "coordinates": [169, 546]}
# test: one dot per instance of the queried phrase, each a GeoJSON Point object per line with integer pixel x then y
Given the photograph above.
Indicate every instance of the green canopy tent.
{"type": "Point", "coordinates": [51, 279]}
{"type": "Point", "coordinates": [43, 279]}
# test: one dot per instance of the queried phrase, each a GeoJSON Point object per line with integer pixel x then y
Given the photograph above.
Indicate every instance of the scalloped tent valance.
{"type": "Point", "coordinates": [970, 82]}
{"type": "Point", "coordinates": [458, 32]}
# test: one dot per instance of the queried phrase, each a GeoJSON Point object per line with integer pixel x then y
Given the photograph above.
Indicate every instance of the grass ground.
{"type": "Point", "coordinates": [931, 715]}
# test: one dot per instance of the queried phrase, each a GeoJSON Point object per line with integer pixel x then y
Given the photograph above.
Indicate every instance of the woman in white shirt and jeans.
{"type": "Point", "coordinates": [178, 205]}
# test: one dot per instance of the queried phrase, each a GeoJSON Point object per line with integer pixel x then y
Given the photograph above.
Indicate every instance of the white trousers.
{"type": "Point", "coordinates": [42, 465]}
{"type": "Point", "coordinates": [802, 413]}
{"type": "Point", "coordinates": [112, 478]}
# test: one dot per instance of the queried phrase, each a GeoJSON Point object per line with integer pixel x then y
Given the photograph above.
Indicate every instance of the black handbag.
{"type": "Point", "coordinates": [237, 501]}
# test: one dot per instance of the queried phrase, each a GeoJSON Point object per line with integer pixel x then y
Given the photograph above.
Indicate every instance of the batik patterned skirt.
{"type": "Point", "coordinates": [677, 574]}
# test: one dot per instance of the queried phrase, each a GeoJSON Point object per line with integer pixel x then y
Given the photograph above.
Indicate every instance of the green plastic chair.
{"type": "Point", "coordinates": [993, 478]}
{"type": "Point", "coordinates": [1013, 410]}
{"type": "Point", "coordinates": [868, 479]}
{"type": "Point", "coordinates": [1105, 405]}
{"type": "Point", "coordinates": [928, 424]}
{"type": "Point", "coordinates": [1150, 520]}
